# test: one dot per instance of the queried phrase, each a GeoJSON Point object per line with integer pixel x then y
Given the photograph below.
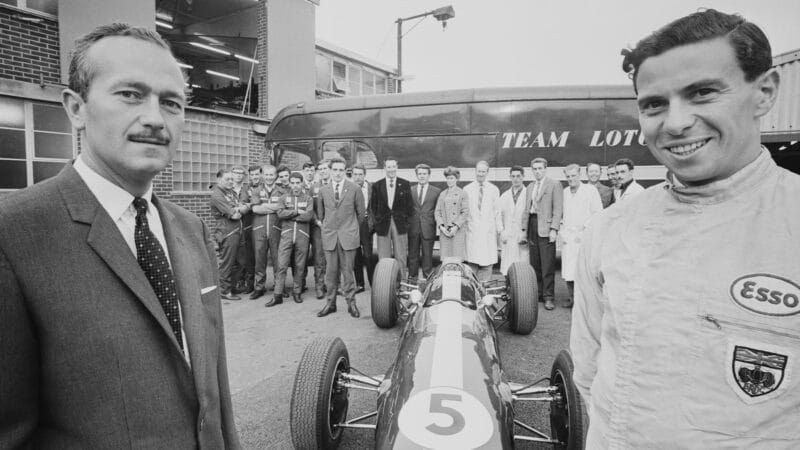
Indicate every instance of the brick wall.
{"type": "Point", "coordinates": [262, 58]}
{"type": "Point", "coordinates": [29, 51]}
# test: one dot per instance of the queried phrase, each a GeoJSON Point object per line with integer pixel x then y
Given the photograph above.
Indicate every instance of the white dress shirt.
{"type": "Point", "coordinates": [422, 189]}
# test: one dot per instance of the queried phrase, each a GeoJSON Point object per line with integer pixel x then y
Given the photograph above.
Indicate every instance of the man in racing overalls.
{"type": "Point", "coordinates": [686, 326]}
{"type": "Point", "coordinates": [266, 229]}
{"type": "Point", "coordinates": [297, 210]}
{"type": "Point", "coordinates": [227, 212]}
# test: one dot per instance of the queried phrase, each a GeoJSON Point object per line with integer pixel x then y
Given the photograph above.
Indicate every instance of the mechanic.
{"type": "Point", "coordinates": [611, 173]}
{"type": "Point", "coordinates": [297, 210]}
{"type": "Point", "coordinates": [484, 211]}
{"type": "Point", "coordinates": [627, 187]}
{"type": "Point", "coordinates": [686, 326]}
{"type": "Point", "coordinates": [512, 213]}
{"type": "Point", "coordinates": [266, 228]}
{"type": "Point", "coordinates": [227, 210]}
{"type": "Point", "coordinates": [593, 172]}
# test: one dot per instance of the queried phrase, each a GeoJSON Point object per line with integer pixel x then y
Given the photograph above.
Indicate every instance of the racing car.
{"type": "Point", "coordinates": [445, 388]}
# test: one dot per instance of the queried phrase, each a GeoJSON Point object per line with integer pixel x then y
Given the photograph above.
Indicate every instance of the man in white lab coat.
{"type": "Point", "coordinates": [513, 239]}
{"type": "Point", "coordinates": [484, 200]}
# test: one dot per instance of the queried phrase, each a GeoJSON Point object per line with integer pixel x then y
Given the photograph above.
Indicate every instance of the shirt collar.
{"type": "Point", "coordinates": [745, 180]}
{"type": "Point", "coordinates": [112, 198]}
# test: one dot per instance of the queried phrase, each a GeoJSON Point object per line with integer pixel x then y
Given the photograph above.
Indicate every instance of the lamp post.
{"type": "Point", "coordinates": [442, 14]}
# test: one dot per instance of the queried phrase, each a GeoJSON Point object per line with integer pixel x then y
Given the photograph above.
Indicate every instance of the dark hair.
{"type": "Point", "coordinates": [308, 164]}
{"type": "Point", "coordinates": [750, 44]}
{"type": "Point", "coordinates": [389, 158]}
{"type": "Point", "coordinates": [360, 167]}
{"type": "Point", "coordinates": [81, 69]}
{"type": "Point", "coordinates": [452, 171]}
{"type": "Point", "coordinates": [539, 160]}
{"type": "Point", "coordinates": [282, 169]}
{"type": "Point", "coordinates": [423, 167]}
{"type": "Point", "coordinates": [338, 160]}
{"type": "Point", "coordinates": [222, 172]}
{"type": "Point", "coordinates": [296, 176]}
{"type": "Point", "coordinates": [327, 163]}
{"type": "Point", "coordinates": [624, 162]}
{"type": "Point", "coordinates": [254, 168]}
{"type": "Point", "coordinates": [517, 169]}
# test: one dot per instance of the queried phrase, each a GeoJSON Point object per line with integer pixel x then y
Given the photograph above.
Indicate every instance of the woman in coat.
{"type": "Point", "coordinates": [452, 214]}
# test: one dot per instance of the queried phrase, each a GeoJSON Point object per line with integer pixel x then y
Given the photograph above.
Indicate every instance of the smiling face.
{"type": "Point", "coordinates": [133, 114]}
{"type": "Point", "coordinates": [270, 175]}
{"type": "Point", "coordinates": [573, 177]}
{"type": "Point", "coordinates": [391, 168]}
{"type": "Point", "coordinates": [226, 180]}
{"type": "Point", "coordinates": [611, 172]}
{"type": "Point", "coordinates": [593, 173]}
{"type": "Point", "coordinates": [698, 114]}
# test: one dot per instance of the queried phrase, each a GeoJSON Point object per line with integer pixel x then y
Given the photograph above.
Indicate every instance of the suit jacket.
{"type": "Point", "coordinates": [88, 357]}
{"type": "Point", "coordinates": [606, 194]}
{"type": "Point", "coordinates": [422, 220]}
{"type": "Point", "coordinates": [368, 224]}
{"type": "Point", "coordinates": [550, 201]}
{"type": "Point", "coordinates": [341, 220]}
{"type": "Point", "coordinates": [401, 210]}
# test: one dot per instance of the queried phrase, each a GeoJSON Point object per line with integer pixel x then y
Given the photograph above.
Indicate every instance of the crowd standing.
{"type": "Point", "coordinates": [475, 224]}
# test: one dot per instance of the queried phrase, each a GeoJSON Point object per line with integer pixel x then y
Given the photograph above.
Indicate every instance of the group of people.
{"type": "Point", "coordinates": [687, 299]}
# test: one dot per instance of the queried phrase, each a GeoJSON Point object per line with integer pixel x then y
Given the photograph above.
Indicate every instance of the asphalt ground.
{"type": "Point", "coordinates": [265, 345]}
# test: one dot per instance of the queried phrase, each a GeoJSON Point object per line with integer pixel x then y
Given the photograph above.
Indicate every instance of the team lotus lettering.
{"type": "Point", "coordinates": [558, 139]}
{"type": "Point", "coordinates": [767, 294]}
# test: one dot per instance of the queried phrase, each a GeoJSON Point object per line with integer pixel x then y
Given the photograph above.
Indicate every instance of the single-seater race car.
{"type": "Point", "coordinates": [445, 388]}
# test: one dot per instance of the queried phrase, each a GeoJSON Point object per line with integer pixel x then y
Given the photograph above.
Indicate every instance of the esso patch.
{"type": "Point", "coordinates": [445, 417]}
{"type": "Point", "coordinates": [767, 294]}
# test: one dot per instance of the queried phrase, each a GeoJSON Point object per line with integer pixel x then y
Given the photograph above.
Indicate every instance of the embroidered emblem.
{"type": "Point", "coordinates": [757, 372]}
{"type": "Point", "coordinates": [766, 294]}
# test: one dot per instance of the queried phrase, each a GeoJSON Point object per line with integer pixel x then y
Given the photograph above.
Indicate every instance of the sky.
{"type": "Point", "coordinates": [500, 43]}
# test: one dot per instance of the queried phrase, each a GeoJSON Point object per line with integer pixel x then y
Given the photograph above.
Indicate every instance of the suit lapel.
{"type": "Point", "coordinates": [184, 268]}
{"type": "Point", "coordinates": [107, 242]}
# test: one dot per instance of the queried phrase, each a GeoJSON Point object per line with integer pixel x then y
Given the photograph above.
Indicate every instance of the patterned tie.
{"type": "Point", "coordinates": [480, 196]}
{"type": "Point", "coordinates": [153, 261]}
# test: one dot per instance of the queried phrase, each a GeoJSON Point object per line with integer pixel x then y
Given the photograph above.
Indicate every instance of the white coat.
{"type": "Point", "coordinates": [482, 229]}
{"type": "Point", "coordinates": [511, 217]}
{"type": "Point", "coordinates": [578, 209]}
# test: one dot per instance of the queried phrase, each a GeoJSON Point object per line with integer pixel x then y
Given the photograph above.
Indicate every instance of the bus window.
{"type": "Point", "coordinates": [292, 155]}
{"type": "Point", "coordinates": [341, 149]}
{"type": "Point", "coordinates": [365, 155]}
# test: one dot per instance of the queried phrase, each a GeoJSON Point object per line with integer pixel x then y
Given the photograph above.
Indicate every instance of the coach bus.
{"type": "Point", "coordinates": [504, 126]}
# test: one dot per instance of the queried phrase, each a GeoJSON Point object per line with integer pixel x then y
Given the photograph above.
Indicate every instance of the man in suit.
{"type": "Point", "coordinates": [545, 201]}
{"type": "Point", "coordinates": [95, 352]}
{"type": "Point", "coordinates": [364, 251]}
{"type": "Point", "coordinates": [422, 224]}
{"type": "Point", "coordinates": [341, 209]}
{"type": "Point", "coordinates": [323, 172]}
{"type": "Point", "coordinates": [391, 207]}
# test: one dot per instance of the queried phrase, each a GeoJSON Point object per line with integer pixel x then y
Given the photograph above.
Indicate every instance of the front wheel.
{"type": "Point", "coordinates": [319, 402]}
{"type": "Point", "coordinates": [568, 421]}
{"type": "Point", "coordinates": [386, 283]}
{"type": "Point", "coordinates": [523, 311]}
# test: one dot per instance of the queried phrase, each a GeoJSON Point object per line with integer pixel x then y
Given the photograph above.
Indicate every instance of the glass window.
{"type": "Point", "coordinates": [333, 149]}
{"type": "Point", "coordinates": [366, 156]}
{"type": "Point", "coordinates": [340, 77]}
{"type": "Point", "coordinates": [52, 145]}
{"type": "Point", "coordinates": [369, 83]}
{"type": "Point", "coordinates": [43, 170]}
{"type": "Point", "coordinates": [323, 72]}
{"type": "Point", "coordinates": [12, 113]}
{"type": "Point", "coordinates": [50, 118]}
{"type": "Point", "coordinates": [12, 143]}
{"type": "Point", "coordinates": [355, 81]}
{"type": "Point", "coordinates": [13, 174]}
{"type": "Point", "coordinates": [293, 155]}
{"type": "Point", "coordinates": [380, 85]}
{"type": "Point", "coordinates": [45, 6]}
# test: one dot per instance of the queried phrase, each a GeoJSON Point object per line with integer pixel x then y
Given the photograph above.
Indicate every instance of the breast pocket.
{"type": "Point", "coordinates": [745, 374]}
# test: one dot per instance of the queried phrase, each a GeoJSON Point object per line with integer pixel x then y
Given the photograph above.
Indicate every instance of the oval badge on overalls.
{"type": "Point", "coordinates": [766, 294]}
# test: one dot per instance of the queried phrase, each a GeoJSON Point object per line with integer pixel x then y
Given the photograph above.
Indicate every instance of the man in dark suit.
{"type": "Point", "coordinates": [391, 207]}
{"type": "Point", "coordinates": [422, 224]}
{"type": "Point", "coordinates": [364, 251]}
{"type": "Point", "coordinates": [111, 329]}
{"type": "Point", "coordinates": [341, 208]}
{"type": "Point", "coordinates": [544, 200]}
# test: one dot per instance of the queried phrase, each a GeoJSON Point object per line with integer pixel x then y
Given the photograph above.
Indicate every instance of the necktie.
{"type": "Point", "coordinates": [336, 190]}
{"type": "Point", "coordinates": [480, 196]}
{"type": "Point", "coordinates": [391, 183]}
{"type": "Point", "coordinates": [534, 196]}
{"type": "Point", "coordinates": [419, 194]}
{"type": "Point", "coordinates": [153, 261]}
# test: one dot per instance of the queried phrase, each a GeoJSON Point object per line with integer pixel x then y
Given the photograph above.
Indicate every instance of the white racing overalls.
{"type": "Point", "coordinates": [686, 325]}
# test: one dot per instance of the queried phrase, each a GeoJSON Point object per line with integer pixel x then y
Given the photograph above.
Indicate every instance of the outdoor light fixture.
{"type": "Point", "coordinates": [163, 24]}
{"type": "Point", "coordinates": [245, 58]}
{"type": "Point", "coordinates": [223, 75]}
{"type": "Point", "coordinates": [442, 14]}
{"type": "Point", "coordinates": [210, 48]}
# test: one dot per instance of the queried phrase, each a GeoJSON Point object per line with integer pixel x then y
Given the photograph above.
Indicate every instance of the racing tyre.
{"type": "Point", "coordinates": [318, 401]}
{"type": "Point", "coordinates": [522, 309]}
{"type": "Point", "coordinates": [568, 421]}
{"type": "Point", "coordinates": [386, 282]}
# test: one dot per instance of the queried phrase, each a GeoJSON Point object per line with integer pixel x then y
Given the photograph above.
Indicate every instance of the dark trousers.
{"type": "Point", "coordinates": [266, 237]}
{"type": "Point", "coordinates": [338, 260]}
{"type": "Point", "coordinates": [232, 260]}
{"type": "Point", "coordinates": [293, 246]}
{"type": "Point", "coordinates": [249, 252]}
{"type": "Point", "coordinates": [543, 259]}
{"type": "Point", "coordinates": [364, 259]}
{"type": "Point", "coordinates": [418, 245]}
{"type": "Point", "coordinates": [318, 255]}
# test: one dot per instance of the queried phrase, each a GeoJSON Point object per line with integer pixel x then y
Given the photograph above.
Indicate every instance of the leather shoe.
{"type": "Point", "coordinates": [276, 300]}
{"type": "Point", "coordinates": [320, 295]}
{"type": "Point", "coordinates": [353, 309]}
{"type": "Point", "coordinates": [548, 305]}
{"type": "Point", "coordinates": [360, 289]}
{"type": "Point", "coordinates": [329, 308]}
{"type": "Point", "coordinates": [257, 293]}
{"type": "Point", "coordinates": [229, 296]}
{"type": "Point", "coordinates": [297, 298]}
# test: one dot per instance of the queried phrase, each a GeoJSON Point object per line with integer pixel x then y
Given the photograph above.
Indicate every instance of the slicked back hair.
{"type": "Point", "coordinates": [750, 44]}
{"type": "Point", "coordinates": [81, 70]}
